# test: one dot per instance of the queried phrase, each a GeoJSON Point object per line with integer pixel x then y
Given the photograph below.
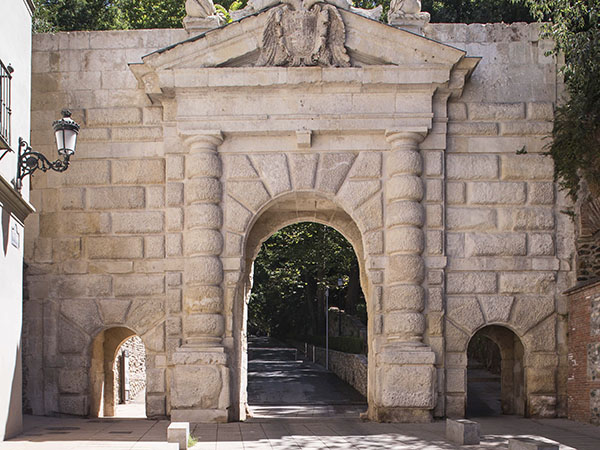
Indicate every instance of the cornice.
{"type": "Point", "coordinates": [13, 201]}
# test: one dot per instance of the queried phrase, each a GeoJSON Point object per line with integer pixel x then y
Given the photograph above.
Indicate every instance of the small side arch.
{"type": "Point", "coordinates": [104, 349]}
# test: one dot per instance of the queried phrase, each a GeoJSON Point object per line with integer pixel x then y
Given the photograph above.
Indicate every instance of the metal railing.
{"type": "Point", "coordinates": [5, 111]}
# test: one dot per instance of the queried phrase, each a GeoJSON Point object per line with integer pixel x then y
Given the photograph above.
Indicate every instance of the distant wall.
{"type": "Point", "coordinates": [347, 366]}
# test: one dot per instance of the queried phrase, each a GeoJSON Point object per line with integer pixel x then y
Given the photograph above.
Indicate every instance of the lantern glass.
{"type": "Point", "coordinates": [66, 130]}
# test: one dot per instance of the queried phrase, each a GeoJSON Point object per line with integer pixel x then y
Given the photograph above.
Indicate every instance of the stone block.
{"type": "Point", "coordinates": [407, 386]}
{"type": "Point", "coordinates": [138, 222]}
{"type": "Point", "coordinates": [525, 219]}
{"type": "Point", "coordinates": [251, 194]}
{"type": "Point", "coordinates": [540, 193]}
{"type": "Point", "coordinates": [274, 170]}
{"type": "Point", "coordinates": [457, 111]}
{"type": "Point", "coordinates": [540, 111]}
{"type": "Point", "coordinates": [154, 246]}
{"type": "Point", "coordinates": [471, 282]}
{"type": "Point", "coordinates": [174, 244]}
{"type": "Point", "coordinates": [527, 167]}
{"type": "Point", "coordinates": [174, 219]}
{"type": "Point", "coordinates": [155, 197]}
{"type": "Point", "coordinates": [531, 282]}
{"type": "Point", "coordinates": [179, 432]}
{"type": "Point", "coordinates": [114, 247]}
{"type": "Point", "coordinates": [332, 171]}
{"type": "Point", "coordinates": [86, 172]}
{"type": "Point", "coordinates": [472, 167]}
{"type": "Point", "coordinates": [465, 311]}
{"type": "Point", "coordinates": [139, 133]}
{"type": "Point", "coordinates": [186, 392]}
{"type": "Point", "coordinates": [456, 193]}
{"type": "Point", "coordinates": [175, 194]}
{"type": "Point", "coordinates": [498, 244]}
{"type": "Point", "coordinates": [540, 244]}
{"type": "Point", "coordinates": [491, 111]}
{"type": "Point", "coordinates": [528, 311]}
{"type": "Point", "coordinates": [473, 129]}
{"type": "Point", "coordinates": [462, 431]}
{"type": "Point", "coordinates": [175, 167]}
{"type": "Point", "coordinates": [496, 308]}
{"type": "Point", "coordinates": [116, 197]}
{"type": "Point", "coordinates": [480, 219]}
{"type": "Point", "coordinates": [507, 193]}
{"type": "Point", "coordinates": [71, 198]}
{"type": "Point", "coordinates": [114, 116]}
{"type": "Point", "coordinates": [433, 190]}
{"type": "Point", "coordinates": [139, 284]}
{"type": "Point", "coordinates": [156, 407]}
{"type": "Point", "coordinates": [526, 128]}
{"type": "Point", "coordinates": [523, 443]}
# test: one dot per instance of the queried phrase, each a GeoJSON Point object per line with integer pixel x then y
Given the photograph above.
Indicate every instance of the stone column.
{"type": "Point", "coordinates": [200, 384]}
{"type": "Point", "coordinates": [405, 366]}
{"type": "Point", "coordinates": [203, 323]}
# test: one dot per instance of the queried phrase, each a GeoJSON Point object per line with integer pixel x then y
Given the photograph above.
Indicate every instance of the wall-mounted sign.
{"type": "Point", "coordinates": [15, 237]}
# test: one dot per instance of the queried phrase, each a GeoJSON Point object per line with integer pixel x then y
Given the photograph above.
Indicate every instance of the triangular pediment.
{"type": "Point", "coordinates": [367, 42]}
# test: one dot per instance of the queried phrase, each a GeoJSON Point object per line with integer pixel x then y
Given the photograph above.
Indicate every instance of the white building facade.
{"type": "Point", "coordinates": [15, 101]}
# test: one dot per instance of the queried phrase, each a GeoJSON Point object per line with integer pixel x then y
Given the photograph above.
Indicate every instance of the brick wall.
{"type": "Point", "coordinates": [583, 385]}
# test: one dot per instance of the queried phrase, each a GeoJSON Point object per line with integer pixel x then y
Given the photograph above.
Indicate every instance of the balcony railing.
{"type": "Point", "coordinates": [5, 111]}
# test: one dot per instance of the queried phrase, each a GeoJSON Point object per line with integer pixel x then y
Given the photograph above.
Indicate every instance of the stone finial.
{"type": "Point", "coordinates": [407, 15]}
{"type": "Point", "coordinates": [201, 16]}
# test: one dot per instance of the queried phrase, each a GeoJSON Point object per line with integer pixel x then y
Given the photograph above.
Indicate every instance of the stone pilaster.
{"type": "Point", "coordinates": [406, 390]}
{"type": "Point", "coordinates": [200, 384]}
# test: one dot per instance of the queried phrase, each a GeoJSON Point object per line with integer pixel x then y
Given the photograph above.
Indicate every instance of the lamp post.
{"type": "Point", "coordinates": [65, 131]}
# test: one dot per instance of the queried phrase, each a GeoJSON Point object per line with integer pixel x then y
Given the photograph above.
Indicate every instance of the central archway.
{"type": "Point", "coordinates": [279, 213]}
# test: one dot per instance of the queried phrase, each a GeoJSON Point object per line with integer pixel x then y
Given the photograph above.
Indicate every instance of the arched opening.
{"type": "Point", "coordinates": [118, 374]}
{"type": "Point", "coordinates": [302, 325]}
{"type": "Point", "coordinates": [495, 373]}
{"type": "Point", "coordinates": [306, 300]}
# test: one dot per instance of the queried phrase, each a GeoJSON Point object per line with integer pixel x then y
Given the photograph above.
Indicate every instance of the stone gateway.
{"type": "Point", "coordinates": [195, 148]}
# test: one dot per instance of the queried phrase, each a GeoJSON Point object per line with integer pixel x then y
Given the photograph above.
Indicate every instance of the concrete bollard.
{"type": "Point", "coordinates": [462, 431]}
{"type": "Point", "coordinates": [179, 432]}
{"type": "Point", "coordinates": [531, 444]}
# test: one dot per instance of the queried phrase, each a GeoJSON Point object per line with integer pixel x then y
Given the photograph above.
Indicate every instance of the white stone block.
{"type": "Point", "coordinates": [179, 432]}
{"type": "Point", "coordinates": [462, 431]}
{"type": "Point", "coordinates": [531, 444]}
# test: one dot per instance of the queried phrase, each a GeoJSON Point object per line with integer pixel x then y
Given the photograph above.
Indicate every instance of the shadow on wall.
{"type": "Point", "coordinates": [14, 413]}
{"type": "Point", "coordinates": [495, 373]}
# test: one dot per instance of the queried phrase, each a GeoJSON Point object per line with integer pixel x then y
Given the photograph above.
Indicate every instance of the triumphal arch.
{"type": "Point", "coordinates": [420, 143]}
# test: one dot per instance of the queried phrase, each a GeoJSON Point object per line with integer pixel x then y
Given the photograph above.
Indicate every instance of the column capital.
{"type": "Point", "coordinates": [206, 140]}
{"type": "Point", "coordinates": [405, 138]}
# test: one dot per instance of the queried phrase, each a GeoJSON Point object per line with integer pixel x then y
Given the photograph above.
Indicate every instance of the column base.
{"type": "Point", "coordinates": [399, 415]}
{"type": "Point", "coordinates": [199, 415]}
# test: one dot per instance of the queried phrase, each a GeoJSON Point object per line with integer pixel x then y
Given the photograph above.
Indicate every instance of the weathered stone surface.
{"type": "Point", "coordinates": [115, 247]}
{"type": "Point", "coordinates": [113, 311]}
{"type": "Point", "coordinates": [116, 198]}
{"type": "Point", "coordinates": [417, 386]}
{"type": "Point", "coordinates": [471, 283]}
{"type": "Point", "coordinates": [533, 282]}
{"type": "Point", "coordinates": [462, 432]}
{"type": "Point", "coordinates": [138, 222]}
{"type": "Point", "coordinates": [274, 171]}
{"type": "Point", "coordinates": [519, 219]}
{"type": "Point", "coordinates": [496, 308]}
{"type": "Point", "coordinates": [470, 219]}
{"type": "Point", "coordinates": [465, 311]}
{"type": "Point", "coordinates": [498, 244]}
{"type": "Point", "coordinates": [251, 194]}
{"type": "Point", "coordinates": [508, 193]}
{"type": "Point", "coordinates": [527, 167]}
{"type": "Point", "coordinates": [239, 166]}
{"type": "Point", "coordinates": [472, 167]}
{"type": "Point", "coordinates": [303, 170]}
{"type": "Point", "coordinates": [528, 311]}
{"type": "Point", "coordinates": [146, 171]}
{"type": "Point", "coordinates": [332, 171]}
{"type": "Point", "coordinates": [188, 393]}
{"type": "Point", "coordinates": [139, 284]}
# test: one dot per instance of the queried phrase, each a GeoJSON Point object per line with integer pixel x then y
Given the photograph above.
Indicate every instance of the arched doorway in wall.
{"type": "Point", "coordinates": [118, 374]}
{"type": "Point", "coordinates": [495, 373]}
{"type": "Point", "coordinates": [276, 239]}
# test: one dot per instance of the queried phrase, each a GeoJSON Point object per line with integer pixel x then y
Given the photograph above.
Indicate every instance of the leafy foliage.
{"type": "Point", "coordinates": [575, 146]}
{"type": "Point", "coordinates": [291, 272]}
{"type": "Point", "coordinates": [477, 11]}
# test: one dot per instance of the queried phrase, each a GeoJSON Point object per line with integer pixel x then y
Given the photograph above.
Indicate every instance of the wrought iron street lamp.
{"type": "Point", "coordinates": [65, 130]}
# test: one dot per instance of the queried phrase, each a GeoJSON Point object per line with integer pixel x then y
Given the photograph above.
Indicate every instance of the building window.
{"type": "Point", "coordinates": [5, 77]}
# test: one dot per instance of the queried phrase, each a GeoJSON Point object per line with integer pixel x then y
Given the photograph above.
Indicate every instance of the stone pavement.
{"type": "Point", "coordinates": [44, 433]}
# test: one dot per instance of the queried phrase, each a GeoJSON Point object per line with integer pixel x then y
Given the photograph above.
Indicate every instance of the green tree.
{"type": "Point", "coordinates": [72, 15]}
{"type": "Point", "coordinates": [575, 145]}
{"type": "Point", "coordinates": [291, 272]}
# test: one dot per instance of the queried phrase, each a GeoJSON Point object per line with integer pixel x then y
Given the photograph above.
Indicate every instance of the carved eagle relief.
{"type": "Point", "coordinates": [304, 33]}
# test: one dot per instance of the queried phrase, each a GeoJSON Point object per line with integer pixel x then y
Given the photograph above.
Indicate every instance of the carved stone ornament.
{"type": "Point", "coordinates": [304, 33]}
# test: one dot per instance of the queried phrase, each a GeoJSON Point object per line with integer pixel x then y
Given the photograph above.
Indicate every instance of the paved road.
{"type": "Point", "coordinates": [281, 385]}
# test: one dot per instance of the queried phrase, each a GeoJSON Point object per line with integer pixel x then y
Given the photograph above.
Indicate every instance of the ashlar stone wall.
{"type": "Point", "coordinates": [190, 158]}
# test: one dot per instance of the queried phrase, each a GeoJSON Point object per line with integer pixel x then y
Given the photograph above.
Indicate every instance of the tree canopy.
{"type": "Point", "coordinates": [575, 146]}
{"type": "Point", "coordinates": [291, 272]}
{"type": "Point", "coordinates": [72, 15]}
